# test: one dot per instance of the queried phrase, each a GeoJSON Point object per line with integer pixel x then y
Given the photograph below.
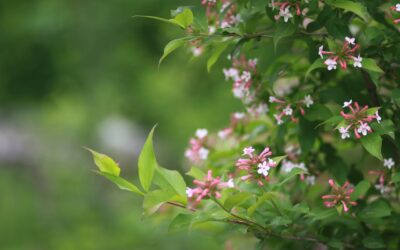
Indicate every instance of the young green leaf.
{"type": "Point", "coordinates": [196, 173]}
{"type": "Point", "coordinates": [170, 180]}
{"type": "Point", "coordinates": [360, 190]}
{"type": "Point", "coordinates": [373, 144]}
{"type": "Point", "coordinates": [375, 210]}
{"type": "Point", "coordinates": [105, 163]}
{"type": "Point", "coordinates": [154, 199]}
{"type": "Point", "coordinates": [147, 162]}
{"type": "Point", "coordinates": [357, 8]}
{"type": "Point", "coordinates": [216, 54]}
{"type": "Point", "coordinates": [369, 64]}
{"type": "Point", "coordinates": [181, 222]}
{"type": "Point", "coordinates": [236, 199]}
{"type": "Point", "coordinates": [278, 159]}
{"type": "Point", "coordinates": [173, 45]}
{"type": "Point", "coordinates": [121, 183]}
{"type": "Point", "coordinates": [185, 18]}
{"type": "Point", "coordinates": [291, 174]}
{"type": "Point", "coordinates": [319, 63]}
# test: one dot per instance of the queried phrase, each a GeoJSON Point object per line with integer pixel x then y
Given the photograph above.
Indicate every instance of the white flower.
{"type": "Point", "coordinates": [330, 63]}
{"type": "Point", "coordinates": [223, 134]}
{"type": "Point", "coordinates": [239, 115]}
{"type": "Point", "coordinates": [248, 151]}
{"type": "Point", "coordinates": [288, 111]}
{"type": "Point", "coordinates": [357, 62]}
{"type": "Point", "coordinates": [350, 40]}
{"type": "Point", "coordinates": [246, 76]}
{"type": "Point", "coordinates": [398, 7]}
{"type": "Point", "coordinates": [230, 183]}
{"type": "Point", "coordinates": [346, 104]}
{"type": "Point", "coordinates": [285, 14]}
{"type": "Point", "coordinates": [211, 30]}
{"type": "Point", "coordinates": [263, 168]}
{"type": "Point", "coordinates": [197, 51]}
{"type": "Point", "coordinates": [271, 162]}
{"type": "Point", "coordinates": [363, 129]}
{"type": "Point", "coordinates": [378, 117]}
{"type": "Point", "coordinates": [310, 180]}
{"type": "Point", "coordinates": [278, 119]}
{"type": "Point", "coordinates": [203, 153]}
{"type": "Point", "coordinates": [344, 132]}
{"type": "Point", "coordinates": [262, 108]}
{"type": "Point", "coordinates": [231, 73]}
{"type": "Point", "coordinates": [308, 101]}
{"type": "Point", "coordinates": [253, 62]}
{"type": "Point", "coordinates": [389, 163]}
{"type": "Point", "coordinates": [239, 91]}
{"type": "Point", "coordinates": [201, 133]}
{"type": "Point", "coordinates": [189, 192]}
{"type": "Point", "coordinates": [320, 51]}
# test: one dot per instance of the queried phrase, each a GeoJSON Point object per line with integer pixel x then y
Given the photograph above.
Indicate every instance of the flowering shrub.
{"type": "Point", "coordinates": [280, 170]}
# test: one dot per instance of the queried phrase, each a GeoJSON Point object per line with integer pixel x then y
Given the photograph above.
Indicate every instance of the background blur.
{"type": "Point", "coordinates": [84, 73]}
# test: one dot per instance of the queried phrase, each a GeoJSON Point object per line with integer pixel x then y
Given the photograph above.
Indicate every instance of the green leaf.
{"type": "Point", "coordinates": [236, 199]}
{"type": "Point", "coordinates": [283, 30]}
{"type": "Point", "coordinates": [181, 222]}
{"type": "Point", "coordinates": [105, 163]}
{"type": "Point", "coordinates": [319, 63]}
{"type": "Point", "coordinates": [357, 8]}
{"type": "Point", "coordinates": [396, 178]}
{"type": "Point", "coordinates": [318, 112]}
{"type": "Point", "coordinates": [147, 162]}
{"type": "Point", "coordinates": [307, 136]}
{"type": "Point", "coordinates": [292, 174]}
{"type": "Point", "coordinates": [375, 210]}
{"type": "Point", "coordinates": [278, 159]}
{"type": "Point", "coordinates": [196, 173]}
{"type": "Point", "coordinates": [173, 45]}
{"type": "Point", "coordinates": [261, 200]}
{"type": "Point", "coordinates": [373, 242]}
{"type": "Point", "coordinates": [170, 21]}
{"type": "Point", "coordinates": [369, 64]}
{"type": "Point", "coordinates": [185, 18]}
{"type": "Point", "coordinates": [170, 180]}
{"type": "Point", "coordinates": [333, 121]}
{"type": "Point", "coordinates": [216, 54]}
{"type": "Point", "coordinates": [324, 214]}
{"type": "Point", "coordinates": [360, 190]}
{"type": "Point", "coordinates": [373, 144]}
{"type": "Point", "coordinates": [154, 199]}
{"type": "Point", "coordinates": [121, 183]}
{"type": "Point", "coordinates": [395, 95]}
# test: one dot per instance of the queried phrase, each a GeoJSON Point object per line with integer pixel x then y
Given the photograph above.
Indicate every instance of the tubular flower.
{"type": "Point", "coordinates": [256, 166]}
{"type": "Point", "coordinates": [357, 120]}
{"type": "Point", "coordinates": [242, 73]}
{"type": "Point", "coordinates": [343, 56]}
{"type": "Point", "coordinates": [287, 109]}
{"type": "Point", "coordinates": [396, 8]}
{"type": "Point", "coordinates": [223, 14]}
{"type": "Point", "coordinates": [208, 188]}
{"type": "Point", "coordinates": [197, 151]}
{"type": "Point", "coordinates": [340, 196]}
{"type": "Point", "coordinates": [286, 9]}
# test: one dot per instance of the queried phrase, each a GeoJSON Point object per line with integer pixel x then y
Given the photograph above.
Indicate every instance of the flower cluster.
{"type": "Point", "coordinates": [340, 196]}
{"type": "Point", "coordinates": [382, 175]}
{"type": "Point", "coordinates": [256, 166]}
{"type": "Point", "coordinates": [210, 187]}
{"type": "Point", "coordinates": [345, 55]}
{"type": "Point", "coordinates": [397, 9]}
{"type": "Point", "coordinates": [286, 9]}
{"type": "Point", "coordinates": [357, 120]}
{"type": "Point", "coordinates": [229, 14]}
{"type": "Point", "coordinates": [197, 151]}
{"type": "Point", "coordinates": [287, 109]}
{"type": "Point", "coordinates": [242, 74]}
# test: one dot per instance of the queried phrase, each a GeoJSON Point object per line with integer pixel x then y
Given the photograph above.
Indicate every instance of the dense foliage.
{"type": "Point", "coordinates": [313, 156]}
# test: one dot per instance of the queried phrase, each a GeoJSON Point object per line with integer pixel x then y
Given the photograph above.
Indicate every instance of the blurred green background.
{"type": "Point", "coordinates": [84, 73]}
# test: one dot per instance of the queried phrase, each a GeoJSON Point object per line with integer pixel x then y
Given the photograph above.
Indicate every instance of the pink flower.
{"type": "Point", "coordinates": [210, 187]}
{"type": "Point", "coordinates": [284, 108]}
{"type": "Point", "coordinates": [357, 120]}
{"type": "Point", "coordinates": [343, 56]}
{"type": "Point", "coordinates": [256, 166]}
{"type": "Point", "coordinates": [340, 196]}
